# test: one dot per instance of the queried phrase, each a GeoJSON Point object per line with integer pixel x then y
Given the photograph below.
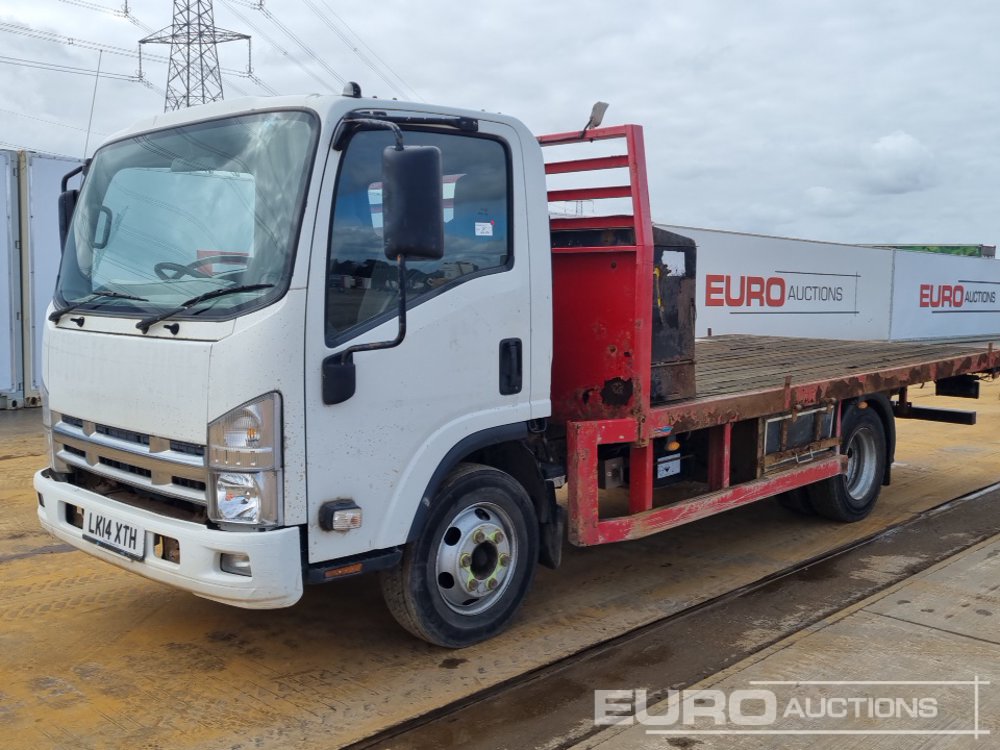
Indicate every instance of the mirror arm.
{"type": "Point", "coordinates": [64, 185]}
{"type": "Point", "coordinates": [347, 355]}
{"type": "Point", "coordinates": [366, 122]}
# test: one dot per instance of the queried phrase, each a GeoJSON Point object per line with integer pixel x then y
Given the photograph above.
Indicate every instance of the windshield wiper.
{"type": "Point", "coordinates": [146, 323]}
{"type": "Point", "coordinates": [55, 315]}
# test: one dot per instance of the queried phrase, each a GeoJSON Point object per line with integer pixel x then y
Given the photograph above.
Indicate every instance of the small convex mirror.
{"type": "Point", "coordinates": [67, 204]}
{"type": "Point", "coordinates": [412, 204]}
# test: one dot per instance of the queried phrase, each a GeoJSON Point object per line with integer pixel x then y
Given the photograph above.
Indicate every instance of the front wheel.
{"type": "Point", "coordinates": [851, 496]}
{"type": "Point", "coordinates": [464, 577]}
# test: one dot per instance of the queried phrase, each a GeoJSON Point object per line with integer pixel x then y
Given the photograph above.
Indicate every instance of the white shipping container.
{"type": "Point", "coordinates": [776, 286]}
{"type": "Point", "coordinates": [11, 374]}
{"type": "Point", "coordinates": [944, 296]}
{"type": "Point", "coordinates": [41, 177]}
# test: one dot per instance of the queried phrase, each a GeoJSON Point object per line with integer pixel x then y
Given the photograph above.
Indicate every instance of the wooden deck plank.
{"type": "Point", "coordinates": [729, 365]}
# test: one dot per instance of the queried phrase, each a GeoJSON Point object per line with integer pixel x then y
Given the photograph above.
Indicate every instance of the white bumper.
{"type": "Point", "coordinates": [275, 556]}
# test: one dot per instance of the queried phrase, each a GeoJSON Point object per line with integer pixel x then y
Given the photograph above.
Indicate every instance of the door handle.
{"type": "Point", "coordinates": [510, 367]}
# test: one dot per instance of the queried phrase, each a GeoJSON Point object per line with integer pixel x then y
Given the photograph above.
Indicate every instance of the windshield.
{"type": "Point", "coordinates": [168, 216]}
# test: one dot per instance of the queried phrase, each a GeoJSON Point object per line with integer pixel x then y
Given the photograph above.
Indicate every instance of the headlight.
{"type": "Point", "coordinates": [54, 463]}
{"type": "Point", "coordinates": [244, 456]}
{"type": "Point", "coordinates": [248, 437]}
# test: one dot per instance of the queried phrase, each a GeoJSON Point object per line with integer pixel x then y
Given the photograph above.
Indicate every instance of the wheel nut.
{"type": "Point", "coordinates": [472, 584]}
{"type": "Point", "coordinates": [466, 560]}
{"type": "Point", "coordinates": [498, 537]}
{"type": "Point", "coordinates": [479, 537]}
{"type": "Point", "coordinates": [491, 584]}
{"type": "Point", "coordinates": [504, 560]}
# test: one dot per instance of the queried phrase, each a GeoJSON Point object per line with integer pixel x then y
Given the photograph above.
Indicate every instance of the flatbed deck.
{"type": "Point", "coordinates": [737, 364]}
{"type": "Point", "coordinates": [741, 377]}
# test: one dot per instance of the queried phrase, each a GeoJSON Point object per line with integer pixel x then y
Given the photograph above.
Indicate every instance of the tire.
{"type": "Point", "coordinates": [425, 593]}
{"type": "Point", "coordinates": [796, 500]}
{"type": "Point", "coordinates": [851, 496]}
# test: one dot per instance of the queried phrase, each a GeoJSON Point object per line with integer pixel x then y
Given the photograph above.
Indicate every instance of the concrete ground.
{"type": "Point", "coordinates": [92, 656]}
{"type": "Point", "coordinates": [940, 626]}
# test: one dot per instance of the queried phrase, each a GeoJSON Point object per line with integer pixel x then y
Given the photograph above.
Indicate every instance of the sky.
{"type": "Point", "coordinates": [839, 120]}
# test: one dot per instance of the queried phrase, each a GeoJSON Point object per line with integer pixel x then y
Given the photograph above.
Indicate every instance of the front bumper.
{"type": "Point", "coordinates": [275, 556]}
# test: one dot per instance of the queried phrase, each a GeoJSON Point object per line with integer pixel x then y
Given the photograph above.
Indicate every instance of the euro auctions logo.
{"type": "Point", "coordinates": [955, 295]}
{"type": "Point", "coordinates": [903, 708]}
{"type": "Point", "coordinates": [801, 292]}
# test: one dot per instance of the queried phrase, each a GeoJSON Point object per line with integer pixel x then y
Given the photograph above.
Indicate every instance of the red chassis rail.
{"type": "Point", "coordinates": [602, 330]}
{"type": "Point", "coordinates": [585, 526]}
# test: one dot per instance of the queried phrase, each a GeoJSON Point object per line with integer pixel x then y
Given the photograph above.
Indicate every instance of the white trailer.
{"type": "Point", "coordinates": [39, 178]}
{"type": "Point", "coordinates": [779, 286]}
{"type": "Point", "coordinates": [11, 371]}
{"type": "Point", "coordinates": [944, 296]}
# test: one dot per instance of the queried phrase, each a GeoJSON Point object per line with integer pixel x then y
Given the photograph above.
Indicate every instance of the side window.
{"type": "Point", "coordinates": [362, 283]}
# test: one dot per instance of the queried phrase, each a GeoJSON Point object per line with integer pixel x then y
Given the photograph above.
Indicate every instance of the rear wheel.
{"type": "Point", "coordinates": [462, 580]}
{"type": "Point", "coordinates": [796, 500]}
{"type": "Point", "coordinates": [852, 495]}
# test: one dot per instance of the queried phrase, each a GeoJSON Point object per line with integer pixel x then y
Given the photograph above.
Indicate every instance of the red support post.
{"type": "Point", "coordinates": [640, 486]}
{"type": "Point", "coordinates": [719, 442]}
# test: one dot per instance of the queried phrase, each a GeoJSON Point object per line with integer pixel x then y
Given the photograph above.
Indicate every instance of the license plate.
{"type": "Point", "coordinates": [117, 536]}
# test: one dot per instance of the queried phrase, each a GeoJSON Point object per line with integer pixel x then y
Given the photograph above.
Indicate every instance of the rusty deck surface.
{"type": "Point", "coordinates": [743, 377]}
{"type": "Point", "coordinates": [727, 365]}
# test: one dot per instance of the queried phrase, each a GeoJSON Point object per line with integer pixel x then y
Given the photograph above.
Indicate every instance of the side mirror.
{"type": "Point", "coordinates": [412, 205]}
{"type": "Point", "coordinates": [339, 380]}
{"type": "Point", "coordinates": [67, 204]}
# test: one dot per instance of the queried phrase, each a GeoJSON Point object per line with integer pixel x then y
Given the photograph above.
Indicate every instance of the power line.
{"type": "Point", "coordinates": [49, 36]}
{"type": "Point", "coordinates": [291, 35]}
{"type": "Point", "coordinates": [125, 13]}
{"type": "Point", "coordinates": [382, 62]}
{"type": "Point", "coordinates": [22, 147]}
{"type": "Point", "coordinates": [59, 68]}
{"type": "Point", "coordinates": [344, 38]}
{"type": "Point", "coordinates": [69, 41]}
{"type": "Point", "coordinates": [49, 122]}
{"type": "Point", "coordinates": [117, 12]}
{"type": "Point", "coordinates": [231, 6]}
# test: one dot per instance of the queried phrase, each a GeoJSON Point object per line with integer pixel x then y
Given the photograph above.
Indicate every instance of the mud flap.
{"type": "Point", "coordinates": [551, 536]}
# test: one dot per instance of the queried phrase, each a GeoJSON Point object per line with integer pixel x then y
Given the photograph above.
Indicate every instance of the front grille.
{"type": "Point", "coordinates": [192, 483]}
{"type": "Point", "coordinates": [126, 435]}
{"type": "Point", "coordinates": [189, 448]}
{"type": "Point", "coordinates": [156, 465]}
{"type": "Point", "coordinates": [122, 466]}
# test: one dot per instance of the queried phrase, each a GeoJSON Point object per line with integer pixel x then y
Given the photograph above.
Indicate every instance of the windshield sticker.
{"type": "Point", "coordinates": [484, 229]}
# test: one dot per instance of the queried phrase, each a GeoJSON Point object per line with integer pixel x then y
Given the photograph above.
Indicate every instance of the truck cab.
{"type": "Point", "coordinates": [219, 262]}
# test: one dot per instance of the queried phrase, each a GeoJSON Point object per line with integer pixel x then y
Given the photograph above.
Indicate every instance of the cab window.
{"type": "Point", "coordinates": [362, 284]}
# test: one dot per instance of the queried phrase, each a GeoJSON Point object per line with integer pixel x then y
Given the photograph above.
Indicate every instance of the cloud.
{"type": "Point", "coordinates": [824, 201]}
{"type": "Point", "coordinates": [833, 119]}
{"type": "Point", "coordinates": [898, 163]}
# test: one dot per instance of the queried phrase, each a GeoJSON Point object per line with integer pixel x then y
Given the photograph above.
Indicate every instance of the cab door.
{"type": "Point", "coordinates": [463, 366]}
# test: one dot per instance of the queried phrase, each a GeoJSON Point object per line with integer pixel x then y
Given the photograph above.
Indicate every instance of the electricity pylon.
{"type": "Point", "coordinates": [194, 76]}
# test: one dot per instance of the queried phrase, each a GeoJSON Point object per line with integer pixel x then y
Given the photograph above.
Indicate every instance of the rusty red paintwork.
{"type": "Point", "coordinates": [706, 412]}
{"type": "Point", "coordinates": [659, 519]}
{"type": "Point", "coordinates": [601, 295]}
